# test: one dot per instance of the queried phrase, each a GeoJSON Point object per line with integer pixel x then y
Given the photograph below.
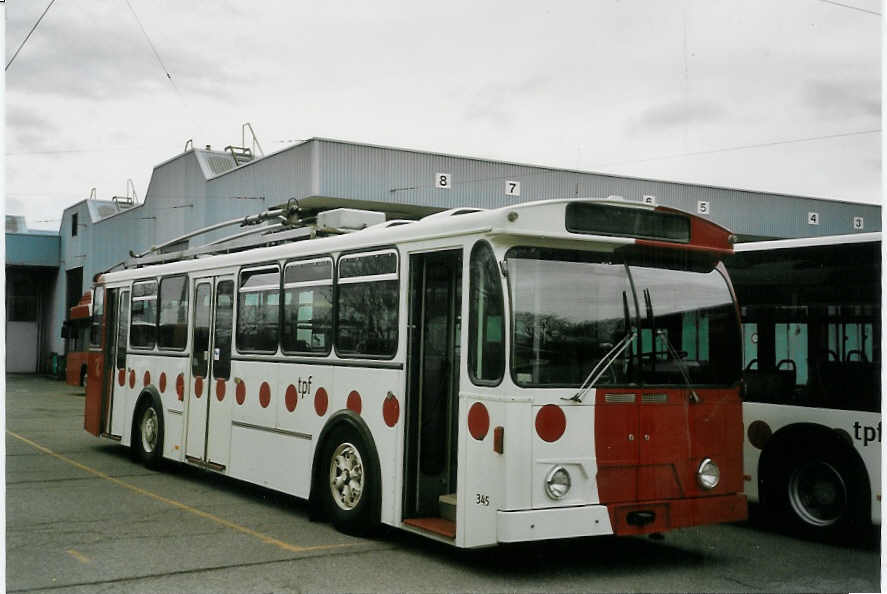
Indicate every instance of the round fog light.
{"type": "Point", "coordinates": [557, 482]}
{"type": "Point", "coordinates": [709, 475]}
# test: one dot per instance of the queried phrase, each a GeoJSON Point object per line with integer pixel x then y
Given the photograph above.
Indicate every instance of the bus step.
{"type": "Point", "coordinates": [436, 525]}
{"type": "Point", "coordinates": [447, 506]}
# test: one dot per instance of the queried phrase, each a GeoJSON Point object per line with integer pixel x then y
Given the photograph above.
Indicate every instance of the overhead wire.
{"type": "Point", "coordinates": [851, 7]}
{"type": "Point", "coordinates": [744, 147]}
{"type": "Point", "coordinates": [28, 36]}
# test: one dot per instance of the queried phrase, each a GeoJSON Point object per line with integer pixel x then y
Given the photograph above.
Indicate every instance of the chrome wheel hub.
{"type": "Point", "coordinates": [346, 476]}
{"type": "Point", "coordinates": [149, 430]}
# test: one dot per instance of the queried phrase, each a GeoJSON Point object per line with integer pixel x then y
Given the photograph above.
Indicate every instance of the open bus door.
{"type": "Point", "coordinates": [103, 358]}
{"type": "Point", "coordinates": [96, 381]}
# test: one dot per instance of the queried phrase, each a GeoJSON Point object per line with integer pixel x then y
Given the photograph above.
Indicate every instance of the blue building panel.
{"type": "Point", "coordinates": [32, 249]}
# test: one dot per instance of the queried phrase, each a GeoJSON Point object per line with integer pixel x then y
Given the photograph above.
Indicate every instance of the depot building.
{"type": "Point", "coordinates": [48, 273]}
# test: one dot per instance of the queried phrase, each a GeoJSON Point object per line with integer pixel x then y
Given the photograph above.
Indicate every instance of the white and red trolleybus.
{"type": "Point", "coordinates": [552, 369]}
{"type": "Point", "coordinates": [811, 320]}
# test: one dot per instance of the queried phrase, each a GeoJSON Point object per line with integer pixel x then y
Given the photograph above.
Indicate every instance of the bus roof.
{"type": "Point", "coordinates": [544, 219]}
{"type": "Point", "coordinates": [782, 244]}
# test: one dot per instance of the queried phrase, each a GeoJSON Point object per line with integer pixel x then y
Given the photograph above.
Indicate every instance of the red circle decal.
{"type": "Point", "coordinates": [551, 422]}
{"type": "Point", "coordinates": [391, 410]}
{"type": "Point", "coordinates": [147, 379]}
{"type": "Point", "coordinates": [132, 378]}
{"type": "Point", "coordinates": [121, 377]}
{"type": "Point", "coordinates": [292, 398]}
{"type": "Point", "coordinates": [162, 382]}
{"type": "Point", "coordinates": [265, 395]}
{"type": "Point", "coordinates": [354, 403]}
{"type": "Point", "coordinates": [240, 393]}
{"type": "Point", "coordinates": [198, 387]}
{"type": "Point", "coordinates": [180, 386]}
{"type": "Point", "coordinates": [478, 421]}
{"type": "Point", "coordinates": [321, 401]}
{"type": "Point", "coordinates": [220, 389]}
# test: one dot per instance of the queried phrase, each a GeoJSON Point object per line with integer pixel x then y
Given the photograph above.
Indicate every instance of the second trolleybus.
{"type": "Point", "coordinates": [554, 369]}
{"type": "Point", "coordinates": [811, 319]}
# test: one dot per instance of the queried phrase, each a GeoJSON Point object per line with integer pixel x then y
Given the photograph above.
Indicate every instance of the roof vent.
{"type": "Point", "coordinates": [348, 219]}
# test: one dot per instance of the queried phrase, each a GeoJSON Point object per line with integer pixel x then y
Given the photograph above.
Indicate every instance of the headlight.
{"type": "Point", "coordinates": [557, 482]}
{"type": "Point", "coordinates": [709, 475]}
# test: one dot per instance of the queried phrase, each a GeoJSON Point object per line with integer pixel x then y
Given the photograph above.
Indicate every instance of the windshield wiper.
{"type": "Point", "coordinates": [603, 365]}
{"type": "Point", "coordinates": [682, 365]}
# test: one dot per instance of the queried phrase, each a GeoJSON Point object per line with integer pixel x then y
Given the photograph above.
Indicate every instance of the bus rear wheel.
{"type": "Point", "coordinates": [350, 491]}
{"type": "Point", "coordinates": [147, 433]}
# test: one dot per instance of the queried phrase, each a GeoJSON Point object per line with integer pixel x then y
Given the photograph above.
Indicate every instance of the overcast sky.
{"type": "Point", "coordinates": [659, 89]}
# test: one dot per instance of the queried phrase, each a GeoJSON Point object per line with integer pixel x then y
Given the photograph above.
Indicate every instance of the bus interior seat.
{"type": "Point", "coordinates": [774, 385]}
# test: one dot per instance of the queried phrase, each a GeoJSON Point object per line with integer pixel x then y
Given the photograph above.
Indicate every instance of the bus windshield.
{"type": "Point", "coordinates": [570, 308]}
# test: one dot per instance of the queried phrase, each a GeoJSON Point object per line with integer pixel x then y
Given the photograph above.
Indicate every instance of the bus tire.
{"type": "Point", "coordinates": [348, 482]}
{"type": "Point", "coordinates": [147, 431]}
{"type": "Point", "coordinates": [819, 493]}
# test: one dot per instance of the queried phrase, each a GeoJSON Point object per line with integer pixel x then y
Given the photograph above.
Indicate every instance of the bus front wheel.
{"type": "Point", "coordinates": [348, 479]}
{"type": "Point", "coordinates": [147, 432]}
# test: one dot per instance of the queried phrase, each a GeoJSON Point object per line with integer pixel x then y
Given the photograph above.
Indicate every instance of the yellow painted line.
{"type": "Point", "coordinates": [79, 556]}
{"type": "Point", "coordinates": [178, 504]}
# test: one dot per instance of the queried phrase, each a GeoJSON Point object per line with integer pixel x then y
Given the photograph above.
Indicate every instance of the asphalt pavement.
{"type": "Point", "coordinates": [82, 516]}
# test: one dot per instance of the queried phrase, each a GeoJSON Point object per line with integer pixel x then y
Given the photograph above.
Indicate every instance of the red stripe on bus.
{"type": "Point", "coordinates": [292, 398]}
{"type": "Point", "coordinates": [321, 401]}
{"type": "Point", "coordinates": [391, 410]}
{"type": "Point", "coordinates": [478, 421]}
{"type": "Point", "coordinates": [353, 403]}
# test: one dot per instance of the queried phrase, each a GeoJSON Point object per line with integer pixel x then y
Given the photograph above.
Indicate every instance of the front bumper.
{"type": "Point", "coordinates": [621, 519]}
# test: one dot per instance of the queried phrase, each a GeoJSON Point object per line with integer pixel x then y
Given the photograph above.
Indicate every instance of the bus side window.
{"type": "Point", "coordinates": [122, 325]}
{"type": "Point", "coordinates": [172, 331]}
{"type": "Point", "coordinates": [98, 312]}
{"type": "Point", "coordinates": [200, 359]}
{"type": "Point", "coordinates": [223, 329]}
{"type": "Point", "coordinates": [308, 307]}
{"type": "Point", "coordinates": [143, 324]}
{"type": "Point", "coordinates": [366, 323]}
{"type": "Point", "coordinates": [258, 310]}
{"type": "Point", "coordinates": [486, 325]}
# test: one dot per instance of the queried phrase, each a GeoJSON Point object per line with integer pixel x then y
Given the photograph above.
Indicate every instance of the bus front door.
{"type": "Point", "coordinates": [433, 401]}
{"type": "Point", "coordinates": [209, 394]}
{"type": "Point", "coordinates": [115, 362]}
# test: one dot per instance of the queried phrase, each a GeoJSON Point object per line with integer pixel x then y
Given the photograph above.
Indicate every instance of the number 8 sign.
{"type": "Point", "coordinates": [442, 181]}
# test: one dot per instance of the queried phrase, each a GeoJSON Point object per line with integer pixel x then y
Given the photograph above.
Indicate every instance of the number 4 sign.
{"type": "Point", "coordinates": [812, 218]}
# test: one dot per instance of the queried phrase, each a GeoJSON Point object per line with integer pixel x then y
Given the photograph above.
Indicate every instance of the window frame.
{"type": "Point", "coordinates": [314, 283]}
{"type": "Point", "coordinates": [133, 299]}
{"type": "Point", "coordinates": [506, 330]}
{"type": "Point", "coordinates": [185, 278]}
{"type": "Point", "coordinates": [237, 308]}
{"type": "Point", "coordinates": [353, 280]}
